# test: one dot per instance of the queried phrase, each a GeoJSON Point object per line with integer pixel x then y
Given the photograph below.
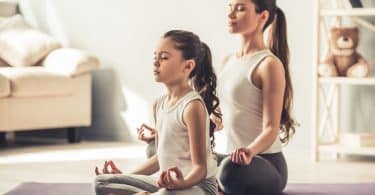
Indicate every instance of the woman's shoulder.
{"type": "Point", "coordinates": [271, 66]}
{"type": "Point", "coordinates": [224, 61]}
{"type": "Point", "coordinates": [227, 58]}
{"type": "Point", "coordinates": [270, 62]}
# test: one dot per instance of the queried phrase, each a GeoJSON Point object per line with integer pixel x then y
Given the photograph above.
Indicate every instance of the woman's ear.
{"type": "Point", "coordinates": [263, 17]}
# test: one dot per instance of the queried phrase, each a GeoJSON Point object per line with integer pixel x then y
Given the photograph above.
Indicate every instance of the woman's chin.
{"type": "Point", "coordinates": [157, 79]}
{"type": "Point", "coordinates": [232, 31]}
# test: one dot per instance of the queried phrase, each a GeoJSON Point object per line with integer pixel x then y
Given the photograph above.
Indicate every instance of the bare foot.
{"type": "Point", "coordinates": [142, 193]}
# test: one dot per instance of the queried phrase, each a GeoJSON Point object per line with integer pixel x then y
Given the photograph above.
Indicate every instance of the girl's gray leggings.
{"type": "Point", "coordinates": [126, 184]}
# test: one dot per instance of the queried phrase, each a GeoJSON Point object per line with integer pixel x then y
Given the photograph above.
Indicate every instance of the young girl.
{"type": "Point", "coordinates": [255, 90]}
{"type": "Point", "coordinates": [184, 132]}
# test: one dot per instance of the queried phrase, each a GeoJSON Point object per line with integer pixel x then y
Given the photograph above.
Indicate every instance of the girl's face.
{"type": "Point", "coordinates": [168, 62]}
{"type": "Point", "coordinates": [242, 17]}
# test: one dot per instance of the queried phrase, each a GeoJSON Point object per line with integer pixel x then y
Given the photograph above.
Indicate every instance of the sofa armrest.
{"type": "Point", "coordinates": [4, 86]}
{"type": "Point", "coordinates": [69, 61]}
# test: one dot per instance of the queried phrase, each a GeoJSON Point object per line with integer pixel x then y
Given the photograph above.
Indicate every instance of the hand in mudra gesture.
{"type": "Point", "coordinates": [171, 178]}
{"type": "Point", "coordinates": [242, 156]}
{"type": "Point", "coordinates": [109, 167]}
{"type": "Point", "coordinates": [146, 133]}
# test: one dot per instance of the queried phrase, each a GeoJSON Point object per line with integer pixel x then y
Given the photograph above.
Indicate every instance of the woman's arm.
{"type": "Point", "coordinates": [217, 121]}
{"type": "Point", "coordinates": [271, 77]}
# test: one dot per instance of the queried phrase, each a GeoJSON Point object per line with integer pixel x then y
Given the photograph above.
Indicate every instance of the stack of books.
{"type": "Point", "coordinates": [358, 139]}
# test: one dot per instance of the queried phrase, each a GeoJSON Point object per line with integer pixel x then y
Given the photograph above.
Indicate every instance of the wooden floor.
{"type": "Point", "coordinates": [37, 161]}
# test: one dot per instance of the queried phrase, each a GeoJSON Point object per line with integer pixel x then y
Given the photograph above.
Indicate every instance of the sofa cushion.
{"type": "Point", "coordinates": [36, 81]}
{"type": "Point", "coordinates": [70, 61]}
{"type": "Point", "coordinates": [21, 45]}
{"type": "Point", "coordinates": [8, 8]}
{"type": "Point", "coordinates": [4, 86]}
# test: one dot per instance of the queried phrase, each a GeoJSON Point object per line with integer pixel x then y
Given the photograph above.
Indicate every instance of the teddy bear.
{"type": "Point", "coordinates": [342, 58]}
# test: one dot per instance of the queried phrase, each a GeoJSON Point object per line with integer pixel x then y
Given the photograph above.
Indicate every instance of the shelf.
{"type": "Point", "coordinates": [347, 81]}
{"type": "Point", "coordinates": [347, 149]}
{"type": "Point", "coordinates": [326, 95]}
{"type": "Point", "coordinates": [348, 12]}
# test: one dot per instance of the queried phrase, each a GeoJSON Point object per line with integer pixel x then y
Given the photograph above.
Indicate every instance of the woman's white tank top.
{"type": "Point", "coordinates": [241, 101]}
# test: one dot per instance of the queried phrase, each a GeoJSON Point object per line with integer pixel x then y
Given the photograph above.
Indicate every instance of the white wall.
{"type": "Point", "coordinates": [299, 16]}
{"type": "Point", "coordinates": [123, 35]}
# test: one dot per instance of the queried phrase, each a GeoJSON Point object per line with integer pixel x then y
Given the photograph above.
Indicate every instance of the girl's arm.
{"type": "Point", "coordinates": [271, 75]}
{"type": "Point", "coordinates": [149, 167]}
{"type": "Point", "coordinates": [194, 117]}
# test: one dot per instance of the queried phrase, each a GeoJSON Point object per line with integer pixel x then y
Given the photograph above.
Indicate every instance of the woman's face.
{"type": "Point", "coordinates": [168, 62]}
{"type": "Point", "coordinates": [242, 17]}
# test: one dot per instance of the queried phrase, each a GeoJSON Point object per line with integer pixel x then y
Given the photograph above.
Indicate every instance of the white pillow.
{"type": "Point", "coordinates": [69, 61]}
{"type": "Point", "coordinates": [20, 45]}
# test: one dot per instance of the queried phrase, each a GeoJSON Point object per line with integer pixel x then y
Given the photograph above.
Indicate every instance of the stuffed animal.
{"type": "Point", "coordinates": [342, 58]}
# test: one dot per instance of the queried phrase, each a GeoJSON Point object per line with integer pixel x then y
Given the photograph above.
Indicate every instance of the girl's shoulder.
{"type": "Point", "coordinates": [158, 101]}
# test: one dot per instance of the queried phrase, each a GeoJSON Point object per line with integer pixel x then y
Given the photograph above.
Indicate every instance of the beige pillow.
{"type": "Point", "coordinates": [20, 45]}
{"type": "Point", "coordinates": [8, 8]}
{"type": "Point", "coordinates": [69, 61]}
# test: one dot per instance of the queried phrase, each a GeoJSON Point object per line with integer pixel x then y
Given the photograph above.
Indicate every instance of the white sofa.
{"type": "Point", "coordinates": [42, 84]}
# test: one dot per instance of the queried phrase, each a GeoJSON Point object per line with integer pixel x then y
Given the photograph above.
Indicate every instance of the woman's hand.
{"type": "Point", "coordinates": [242, 156]}
{"type": "Point", "coordinates": [108, 168]}
{"type": "Point", "coordinates": [172, 178]}
{"type": "Point", "coordinates": [146, 133]}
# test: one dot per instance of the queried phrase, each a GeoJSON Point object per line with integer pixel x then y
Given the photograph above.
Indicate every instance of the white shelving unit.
{"type": "Point", "coordinates": [326, 91]}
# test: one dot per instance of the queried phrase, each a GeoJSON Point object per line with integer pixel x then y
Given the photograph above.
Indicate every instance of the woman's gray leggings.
{"type": "Point", "coordinates": [267, 174]}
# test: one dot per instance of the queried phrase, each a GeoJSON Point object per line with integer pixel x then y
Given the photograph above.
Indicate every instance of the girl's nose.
{"type": "Point", "coordinates": [156, 63]}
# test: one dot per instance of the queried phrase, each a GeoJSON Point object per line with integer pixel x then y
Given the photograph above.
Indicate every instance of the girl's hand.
{"type": "Point", "coordinates": [108, 168]}
{"type": "Point", "coordinates": [172, 178]}
{"type": "Point", "coordinates": [242, 156]}
{"type": "Point", "coordinates": [146, 133]}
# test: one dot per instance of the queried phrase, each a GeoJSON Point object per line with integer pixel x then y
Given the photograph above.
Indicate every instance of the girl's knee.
{"type": "Point", "coordinates": [99, 184]}
{"type": "Point", "coordinates": [190, 191]}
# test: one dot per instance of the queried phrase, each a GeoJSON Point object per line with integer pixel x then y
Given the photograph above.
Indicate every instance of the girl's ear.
{"type": "Point", "coordinates": [189, 66]}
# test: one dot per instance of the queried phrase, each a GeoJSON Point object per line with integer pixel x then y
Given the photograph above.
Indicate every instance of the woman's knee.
{"type": "Point", "coordinates": [234, 178]}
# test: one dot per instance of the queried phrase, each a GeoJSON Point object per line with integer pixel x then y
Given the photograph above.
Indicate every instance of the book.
{"type": "Point", "coordinates": [358, 139]}
{"type": "Point", "coordinates": [356, 3]}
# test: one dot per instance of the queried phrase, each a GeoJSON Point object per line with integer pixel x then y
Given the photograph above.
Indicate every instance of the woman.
{"type": "Point", "coordinates": [255, 91]}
